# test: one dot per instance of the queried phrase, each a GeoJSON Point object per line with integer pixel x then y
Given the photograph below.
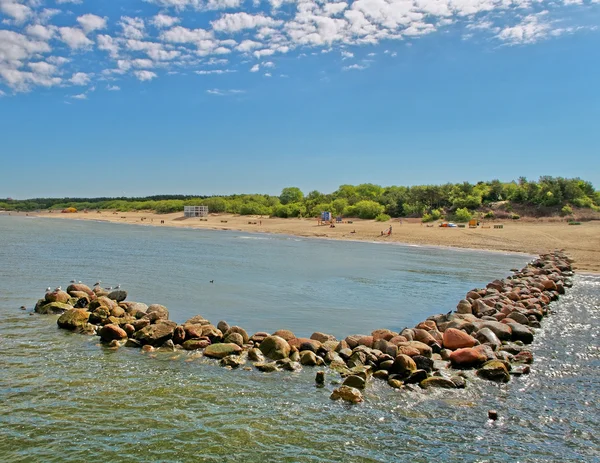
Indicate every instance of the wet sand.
{"type": "Point", "coordinates": [580, 242]}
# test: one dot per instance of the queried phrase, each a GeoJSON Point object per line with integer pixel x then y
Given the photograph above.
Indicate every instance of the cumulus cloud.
{"type": "Point", "coordinates": [15, 9]}
{"type": "Point", "coordinates": [145, 75]}
{"type": "Point", "coordinates": [80, 78]}
{"type": "Point", "coordinates": [218, 92]}
{"type": "Point", "coordinates": [75, 38]}
{"type": "Point", "coordinates": [91, 22]}
{"type": "Point", "coordinates": [235, 22]}
{"type": "Point", "coordinates": [113, 88]}
{"type": "Point", "coordinates": [163, 20]}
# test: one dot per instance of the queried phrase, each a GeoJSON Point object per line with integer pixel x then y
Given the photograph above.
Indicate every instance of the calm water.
{"type": "Point", "coordinates": [64, 398]}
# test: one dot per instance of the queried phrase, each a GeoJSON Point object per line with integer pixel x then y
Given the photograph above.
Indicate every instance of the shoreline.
{"type": "Point", "coordinates": [530, 238]}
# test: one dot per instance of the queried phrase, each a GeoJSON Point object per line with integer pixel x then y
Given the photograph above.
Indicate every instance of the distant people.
{"type": "Point", "coordinates": [353, 231]}
{"type": "Point", "coordinates": [389, 231]}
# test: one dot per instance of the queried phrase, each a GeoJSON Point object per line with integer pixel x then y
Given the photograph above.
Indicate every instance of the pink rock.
{"type": "Point", "coordinates": [467, 358]}
{"type": "Point", "coordinates": [457, 339]}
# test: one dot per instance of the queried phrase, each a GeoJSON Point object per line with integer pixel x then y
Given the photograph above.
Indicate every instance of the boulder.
{"type": "Point", "coordinates": [384, 334]}
{"type": "Point", "coordinates": [322, 337]}
{"type": "Point", "coordinates": [259, 337]}
{"type": "Point", "coordinates": [197, 320]}
{"type": "Point", "coordinates": [117, 312]}
{"type": "Point", "coordinates": [501, 330]}
{"type": "Point", "coordinates": [437, 382]}
{"type": "Point", "coordinates": [156, 335]}
{"type": "Point", "coordinates": [232, 361]}
{"type": "Point", "coordinates": [349, 394]}
{"type": "Point", "coordinates": [266, 367]}
{"type": "Point", "coordinates": [403, 365]}
{"type": "Point", "coordinates": [275, 347]}
{"type": "Point", "coordinates": [519, 317]}
{"type": "Point", "coordinates": [235, 338]}
{"type": "Point", "coordinates": [494, 370]}
{"type": "Point", "coordinates": [520, 333]}
{"type": "Point", "coordinates": [467, 358]}
{"type": "Point", "coordinates": [223, 326]}
{"type": "Point", "coordinates": [221, 350]}
{"type": "Point", "coordinates": [288, 364]}
{"type": "Point", "coordinates": [57, 296]}
{"type": "Point", "coordinates": [158, 312]}
{"type": "Point", "coordinates": [195, 344]}
{"type": "Point", "coordinates": [73, 319]}
{"type": "Point", "coordinates": [354, 381]}
{"type": "Point", "coordinates": [457, 339]}
{"type": "Point", "coordinates": [256, 355]}
{"type": "Point", "coordinates": [464, 306]}
{"type": "Point", "coordinates": [487, 336]}
{"type": "Point", "coordinates": [423, 336]}
{"type": "Point", "coordinates": [52, 308]}
{"type": "Point", "coordinates": [112, 332]}
{"type": "Point", "coordinates": [305, 344]}
{"type": "Point", "coordinates": [239, 330]}
{"type": "Point", "coordinates": [423, 363]}
{"type": "Point", "coordinates": [79, 288]}
{"type": "Point", "coordinates": [118, 295]}
{"type": "Point", "coordinates": [284, 334]}
{"type": "Point", "coordinates": [416, 377]}
{"type": "Point", "coordinates": [179, 335]}
{"type": "Point", "coordinates": [423, 349]}
{"type": "Point", "coordinates": [308, 357]}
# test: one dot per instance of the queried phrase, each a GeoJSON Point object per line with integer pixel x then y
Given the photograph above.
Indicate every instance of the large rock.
{"type": "Point", "coordinates": [197, 320]}
{"type": "Point", "coordinates": [57, 296]}
{"type": "Point", "coordinates": [305, 344]}
{"type": "Point", "coordinates": [195, 344]}
{"type": "Point", "coordinates": [222, 350]}
{"type": "Point", "coordinates": [349, 394]}
{"type": "Point", "coordinates": [118, 295]}
{"type": "Point", "coordinates": [520, 333]}
{"type": "Point", "coordinates": [487, 336]}
{"type": "Point", "coordinates": [464, 306]}
{"type": "Point", "coordinates": [437, 381]}
{"type": "Point", "coordinates": [494, 370]}
{"type": "Point", "coordinates": [457, 339]}
{"type": "Point", "coordinates": [156, 335]}
{"type": "Point", "coordinates": [284, 334]}
{"type": "Point", "coordinates": [52, 308]}
{"type": "Point", "coordinates": [467, 358]}
{"type": "Point", "coordinates": [200, 331]}
{"type": "Point", "coordinates": [275, 347]}
{"type": "Point", "coordinates": [111, 333]}
{"type": "Point", "coordinates": [73, 319]}
{"type": "Point", "coordinates": [308, 358]}
{"type": "Point", "coordinates": [81, 288]}
{"type": "Point", "coordinates": [421, 348]}
{"type": "Point", "coordinates": [237, 329]}
{"type": "Point", "coordinates": [501, 330]}
{"type": "Point", "coordinates": [235, 338]}
{"type": "Point", "coordinates": [158, 312]}
{"type": "Point", "coordinates": [322, 337]}
{"type": "Point", "coordinates": [354, 381]}
{"type": "Point", "coordinates": [403, 365]}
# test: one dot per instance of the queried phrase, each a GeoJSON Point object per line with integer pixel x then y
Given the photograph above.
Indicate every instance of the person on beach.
{"type": "Point", "coordinates": [389, 231]}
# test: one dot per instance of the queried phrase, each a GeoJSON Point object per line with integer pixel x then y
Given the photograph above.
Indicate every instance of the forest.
{"type": "Point", "coordinates": [548, 196]}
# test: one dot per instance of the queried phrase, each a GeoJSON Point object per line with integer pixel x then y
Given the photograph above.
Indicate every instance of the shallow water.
{"type": "Point", "coordinates": [65, 398]}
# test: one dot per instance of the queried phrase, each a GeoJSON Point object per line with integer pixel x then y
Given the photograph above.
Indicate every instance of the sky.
{"type": "Point", "coordinates": [144, 97]}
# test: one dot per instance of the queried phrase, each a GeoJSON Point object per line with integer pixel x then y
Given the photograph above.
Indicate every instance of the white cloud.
{"type": "Point", "coordinates": [248, 45]}
{"type": "Point", "coordinates": [18, 47]}
{"type": "Point", "coordinates": [15, 9]}
{"type": "Point", "coordinates": [235, 22]}
{"type": "Point", "coordinates": [198, 4]}
{"type": "Point", "coordinates": [218, 92]}
{"type": "Point", "coordinates": [346, 54]}
{"type": "Point", "coordinates": [357, 67]}
{"type": "Point", "coordinates": [145, 75]}
{"type": "Point", "coordinates": [268, 64]}
{"type": "Point", "coordinates": [109, 44]}
{"type": "Point", "coordinates": [81, 96]}
{"type": "Point", "coordinates": [255, 68]}
{"type": "Point", "coordinates": [74, 37]}
{"type": "Point", "coordinates": [529, 30]}
{"type": "Point", "coordinates": [133, 28]}
{"type": "Point", "coordinates": [77, 2]}
{"type": "Point", "coordinates": [162, 20]}
{"type": "Point", "coordinates": [41, 32]}
{"type": "Point", "coordinates": [267, 74]}
{"type": "Point", "coordinates": [205, 72]}
{"type": "Point", "coordinates": [113, 88]}
{"type": "Point", "coordinates": [91, 22]}
{"type": "Point", "coordinates": [80, 78]}
{"type": "Point", "coordinates": [41, 67]}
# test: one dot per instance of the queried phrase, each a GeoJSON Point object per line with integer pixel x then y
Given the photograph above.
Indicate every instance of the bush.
{"type": "Point", "coordinates": [382, 218]}
{"type": "Point", "coordinates": [566, 210]}
{"type": "Point", "coordinates": [427, 218]}
{"type": "Point", "coordinates": [515, 216]}
{"type": "Point", "coordinates": [463, 215]}
{"type": "Point", "coordinates": [436, 214]}
{"type": "Point", "coordinates": [583, 202]}
{"type": "Point", "coordinates": [368, 209]}
{"type": "Point", "coordinates": [489, 215]}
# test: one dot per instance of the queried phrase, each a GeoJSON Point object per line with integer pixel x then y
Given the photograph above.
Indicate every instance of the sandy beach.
{"type": "Point", "coordinates": [581, 242]}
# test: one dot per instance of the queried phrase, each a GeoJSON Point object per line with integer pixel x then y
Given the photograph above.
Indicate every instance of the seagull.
{"type": "Point", "coordinates": [73, 281]}
{"type": "Point", "coordinates": [212, 281]}
{"type": "Point", "coordinates": [97, 283]}
{"type": "Point", "coordinates": [58, 289]}
{"type": "Point", "coordinates": [118, 287]}
{"type": "Point", "coordinates": [109, 288]}
{"type": "Point", "coordinates": [48, 289]}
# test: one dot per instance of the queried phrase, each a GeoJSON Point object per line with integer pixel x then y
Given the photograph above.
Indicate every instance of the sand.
{"type": "Point", "coordinates": [580, 242]}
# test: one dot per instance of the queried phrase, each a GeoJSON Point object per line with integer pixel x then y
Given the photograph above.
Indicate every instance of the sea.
{"type": "Point", "coordinates": [66, 398]}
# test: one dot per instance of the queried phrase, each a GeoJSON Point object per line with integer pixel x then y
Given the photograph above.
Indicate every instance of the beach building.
{"type": "Point", "coordinates": [195, 211]}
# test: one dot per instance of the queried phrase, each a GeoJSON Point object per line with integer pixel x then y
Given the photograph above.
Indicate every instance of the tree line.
{"type": "Point", "coordinates": [548, 195]}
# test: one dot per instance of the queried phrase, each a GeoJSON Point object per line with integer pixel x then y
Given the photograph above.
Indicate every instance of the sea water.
{"type": "Point", "coordinates": [63, 397]}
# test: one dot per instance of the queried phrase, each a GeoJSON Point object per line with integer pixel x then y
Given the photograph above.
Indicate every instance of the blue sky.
{"type": "Point", "coordinates": [141, 97]}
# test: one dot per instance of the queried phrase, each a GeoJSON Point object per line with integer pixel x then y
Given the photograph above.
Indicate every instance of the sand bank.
{"type": "Point", "coordinates": [580, 242]}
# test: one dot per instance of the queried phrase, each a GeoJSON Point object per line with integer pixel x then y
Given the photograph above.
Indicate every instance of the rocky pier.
{"type": "Point", "coordinates": [485, 337]}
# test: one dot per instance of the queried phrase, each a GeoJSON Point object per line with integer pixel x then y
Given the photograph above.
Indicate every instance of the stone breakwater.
{"type": "Point", "coordinates": [485, 337]}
